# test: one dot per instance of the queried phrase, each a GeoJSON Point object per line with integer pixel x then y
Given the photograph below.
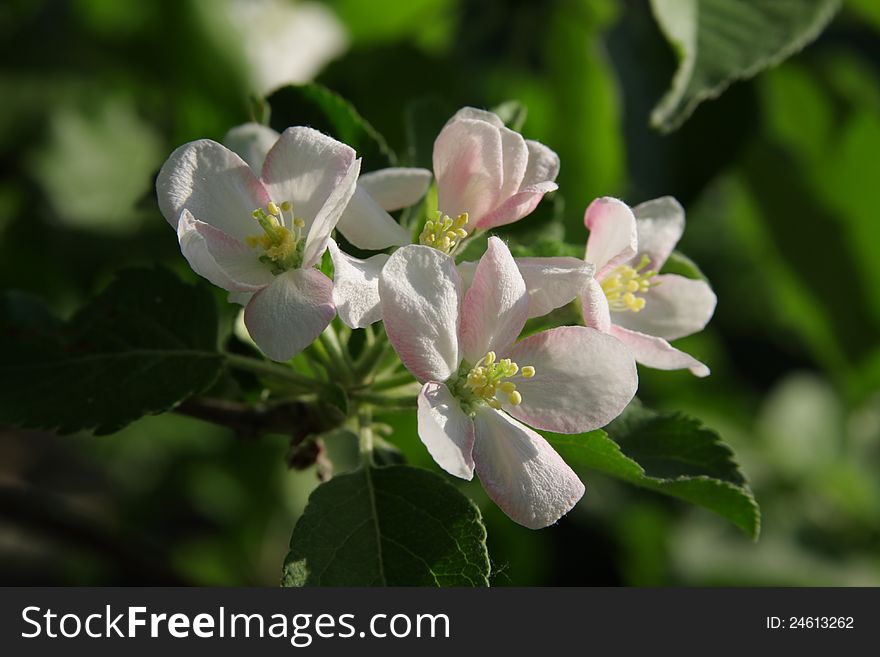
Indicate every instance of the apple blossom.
{"type": "Point", "coordinates": [628, 297]}
{"type": "Point", "coordinates": [261, 237]}
{"type": "Point", "coordinates": [365, 221]}
{"type": "Point", "coordinates": [480, 387]}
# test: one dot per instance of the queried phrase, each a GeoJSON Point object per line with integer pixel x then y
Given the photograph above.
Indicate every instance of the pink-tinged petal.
{"type": "Point", "coordinates": [396, 187]}
{"type": "Point", "coordinates": [516, 207]}
{"type": "Point", "coordinates": [543, 164]}
{"type": "Point", "coordinates": [657, 352]}
{"type": "Point", "coordinates": [613, 238]}
{"type": "Point", "coordinates": [660, 224]}
{"type": "Point", "coordinates": [521, 472]}
{"type": "Point", "coordinates": [553, 282]}
{"type": "Point", "coordinates": [475, 114]}
{"type": "Point", "coordinates": [594, 306]}
{"type": "Point", "coordinates": [304, 167]}
{"type": "Point", "coordinates": [675, 307]}
{"type": "Point", "coordinates": [214, 184]}
{"type": "Point", "coordinates": [420, 295]}
{"type": "Point", "coordinates": [224, 261]}
{"type": "Point", "coordinates": [466, 270]}
{"type": "Point", "coordinates": [515, 159]}
{"type": "Point", "coordinates": [583, 379]}
{"type": "Point", "coordinates": [495, 307]}
{"type": "Point", "coordinates": [368, 226]}
{"type": "Point", "coordinates": [468, 164]}
{"type": "Point", "coordinates": [328, 216]}
{"type": "Point", "coordinates": [287, 316]}
{"type": "Point", "coordinates": [252, 141]}
{"type": "Point", "coordinates": [356, 287]}
{"type": "Point", "coordinates": [446, 431]}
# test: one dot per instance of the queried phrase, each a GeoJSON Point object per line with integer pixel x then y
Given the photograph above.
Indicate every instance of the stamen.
{"type": "Point", "coordinates": [444, 233]}
{"type": "Point", "coordinates": [622, 285]}
{"type": "Point", "coordinates": [283, 246]}
{"type": "Point", "coordinates": [485, 380]}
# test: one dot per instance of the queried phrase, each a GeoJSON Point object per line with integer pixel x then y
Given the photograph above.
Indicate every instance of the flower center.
{"type": "Point", "coordinates": [444, 233]}
{"type": "Point", "coordinates": [282, 246]}
{"type": "Point", "coordinates": [481, 383]}
{"type": "Point", "coordinates": [623, 284]}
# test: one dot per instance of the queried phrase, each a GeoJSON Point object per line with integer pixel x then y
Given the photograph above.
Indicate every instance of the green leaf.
{"type": "Point", "coordinates": [316, 106]}
{"type": "Point", "coordinates": [671, 454]}
{"type": "Point", "coordinates": [513, 113]}
{"type": "Point", "coordinates": [679, 263]}
{"type": "Point", "coordinates": [389, 526]}
{"type": "Point", "coordinates": [720, 41]}
{"type": "Point", "coordinates": [140, 347]}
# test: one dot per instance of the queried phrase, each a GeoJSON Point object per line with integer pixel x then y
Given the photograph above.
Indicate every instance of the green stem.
{"type": "Point", "coordinates": [400, 401]}
{"type": "Point", "coordinates": [372, 355]}
{"type": "Point", "coordinates": [393, 382]}
{"type": "Point", "coordinates": [270, 369]}
{"type": "Point", "coordinates": [365, 434]}
{"type": "Point", "coordinates": [330, 343]}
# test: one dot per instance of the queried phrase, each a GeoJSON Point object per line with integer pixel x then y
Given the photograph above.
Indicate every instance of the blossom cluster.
{"type": "Point", "coordinates": [256, 216]}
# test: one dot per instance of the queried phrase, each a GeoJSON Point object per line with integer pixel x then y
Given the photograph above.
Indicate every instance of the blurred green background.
{"type": "Point", "coordinates": [779, 178]}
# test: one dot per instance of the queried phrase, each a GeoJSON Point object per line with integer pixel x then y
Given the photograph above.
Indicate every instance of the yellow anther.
{"type": "Point", "coordinates": [487, 378]}
{"type": "Point", "coordinates": [622, 284]}
{"type": "Point", "coordinates": [282, 245]}
{"type": "Point", "coordinates": [444, 233]}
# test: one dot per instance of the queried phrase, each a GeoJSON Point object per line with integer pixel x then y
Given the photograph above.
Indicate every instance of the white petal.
{"type": "Point", "coordinates": [214, 184]}
{"type": "Point", "coordinates": [396, 187]}
{"type": "Point", "coordinates": [287, 316]}
{"type": "Point", "coordinates": [675, 307]}
{"type": "Point", "coordinates": [475, 114]}
{"type": "Point", "coordinates": [223, 260]}
{"type": "Point", "coordinates": [468, 164]}
{"type": "Point", "coordinates": [543, 164]}
{"type": "Point", "coordinates": [521, 472]}
{"type": "Point", "coordinates": [420, 295]}
{"type": "Point", "coordinates": [660, 224]}
{"type": "Point", "coordinates": [583, 379]}
{"type": "Point", "coordinates": [657, 352]}
{"type": "Point", "coordinates": [495, 307]}
{"type": "Point", "coordinates": [328, 216]}
{"type": "Point", "coordinates": [613, 239]}
{"type": "Point", "coordinates": [252, 142]}
{"type": "Point", "coordinates": [446, 431]}
{"type": "Point", "coordinates": [553, 282]}
{"type": "Point", "coordinates": [304, 167]}
{"type": "Point", "coordinates": [356, 287]}
{"type": "Point", "coordinates": [368, 226]}
{"type": "Point", "coordinates": [515, 156]}
{"type": "Point", "coordinates": [466, 270]}
{"type": "Point", "coordinates": [594, 306]}
{"type": "Point", "coordinates": [516, 207]}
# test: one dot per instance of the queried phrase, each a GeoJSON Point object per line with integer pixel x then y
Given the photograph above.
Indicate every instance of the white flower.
{"type": "Point", "coordinates": [261, 237]}
{"type": "Point", "coordinates": [628, 298]}
{"type": "Point", "coordinates": [480, 386]}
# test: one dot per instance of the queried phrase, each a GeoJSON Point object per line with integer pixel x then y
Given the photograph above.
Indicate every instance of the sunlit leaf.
{"type": "Point", "coordinates": [388, 526]}
{"type": "Point", "coordinates": [720, 41]}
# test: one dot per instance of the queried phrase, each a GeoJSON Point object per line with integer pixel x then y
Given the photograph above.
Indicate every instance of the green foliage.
{"type": "Point", "coordinates": [513, 113]}
{"type": "Point", "coordinates": [671, 454]}
{"type": "Point", "coordinates": [388, 526]}
{"type": "Point", "coordinates": [316, 106]}
{"type": "Point", "coordinates": [143, 345]}
{"type": "Point", "coordinates": [720, 41]}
